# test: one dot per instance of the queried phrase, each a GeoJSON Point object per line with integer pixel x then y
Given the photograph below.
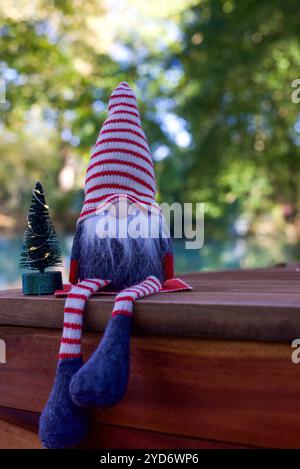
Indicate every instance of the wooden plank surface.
{"type": "Point", "coordinates": [21, 418]}
{"type": "Point", "coordinates": [106, 436]}
{"type": "Point", "coordinates": [242, 392]}
{"type": "Point", "coordinates": [14, 437]}
{"type": "Point", "coordinates": [262, 304]}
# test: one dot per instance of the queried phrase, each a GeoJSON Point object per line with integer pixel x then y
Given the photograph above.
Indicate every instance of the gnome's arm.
{"type": "Point", "coordinates": [168, 263]}
{"type": "Point", "coordinates": [168, 258]}
{"type": "Point", "coordinates": [75, 255]}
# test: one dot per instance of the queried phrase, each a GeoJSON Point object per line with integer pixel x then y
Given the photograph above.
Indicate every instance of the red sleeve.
{"type": "Point", "coordinates": [168, 263]}
{"type": "Point", "coordinates": [73, 277]}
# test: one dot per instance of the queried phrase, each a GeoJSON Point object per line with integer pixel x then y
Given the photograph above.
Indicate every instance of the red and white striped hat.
{"type": "Point", "coordinates": [120, 164]}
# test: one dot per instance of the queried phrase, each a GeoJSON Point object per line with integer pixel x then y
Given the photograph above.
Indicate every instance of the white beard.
{"type": "Point", "coordinates": [103, 234]}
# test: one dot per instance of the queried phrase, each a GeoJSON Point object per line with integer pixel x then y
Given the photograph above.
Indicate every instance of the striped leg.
{"type": "Point", "coordinates": [102, 381]}
{"type": "Point", "coordinates": [63, 424]}
{"type": "Point", "coordinates": [70, 346]}
{"type": "Point", "coordinates": [125, 299]}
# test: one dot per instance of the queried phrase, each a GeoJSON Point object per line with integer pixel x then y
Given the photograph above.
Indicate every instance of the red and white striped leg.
{"type": "Point", "coordinates": [70, 346]}
{"type": "Point", "coordinates": [103, 380]}
{"type": "Point", "coordinates": [125, 299]}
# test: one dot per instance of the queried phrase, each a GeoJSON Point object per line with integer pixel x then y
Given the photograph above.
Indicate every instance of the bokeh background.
{"type": "Point", "coordinates": [214, 81]}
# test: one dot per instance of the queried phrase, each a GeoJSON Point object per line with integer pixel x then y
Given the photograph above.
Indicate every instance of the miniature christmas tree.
{"type": "Point", "coordinates": [41, 247]}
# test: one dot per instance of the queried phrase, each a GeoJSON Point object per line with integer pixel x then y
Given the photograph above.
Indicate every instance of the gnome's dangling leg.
{"type": "Point", "coordinates": [102, 381]}
{"type": "Point", "coordinates": [63, 423]}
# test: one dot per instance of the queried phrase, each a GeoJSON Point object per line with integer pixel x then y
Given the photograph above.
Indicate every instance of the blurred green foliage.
{"type": "Point", "coordinates": [239, 59]}
{"type": "Point", "coordinates": [214, 81]}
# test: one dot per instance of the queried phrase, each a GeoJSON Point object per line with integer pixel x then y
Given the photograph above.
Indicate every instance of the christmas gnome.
{"type": "Point", "coordinates": [119, 192]}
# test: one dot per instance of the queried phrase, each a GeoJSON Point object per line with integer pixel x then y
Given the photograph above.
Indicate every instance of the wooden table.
{"type": "Point", "coordinates": [210, 368]}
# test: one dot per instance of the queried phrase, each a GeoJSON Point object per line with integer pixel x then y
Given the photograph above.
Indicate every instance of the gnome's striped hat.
{"type": "Point", "coordinates": [120, 164]}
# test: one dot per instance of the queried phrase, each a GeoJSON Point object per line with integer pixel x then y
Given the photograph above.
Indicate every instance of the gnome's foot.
{"type": "Point", "coordinates": [102, 381]}
{"type": "Point", "coordinates": [62, 423]}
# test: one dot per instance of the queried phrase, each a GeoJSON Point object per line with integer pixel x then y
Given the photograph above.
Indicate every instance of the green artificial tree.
{"type": "Point", "coordinates": [40, 249]}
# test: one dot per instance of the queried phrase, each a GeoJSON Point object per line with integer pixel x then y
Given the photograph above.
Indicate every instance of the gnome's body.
{"type": "Point", "coordinates": [108, 253]}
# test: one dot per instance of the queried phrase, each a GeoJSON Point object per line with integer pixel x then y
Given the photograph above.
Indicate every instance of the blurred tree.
{"type": "Point", "coordinates": [238, 60]}
{"type": "Point", "coordinates": [57, 80]}
{"type": "Point", "coordinates": [215, 81]}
